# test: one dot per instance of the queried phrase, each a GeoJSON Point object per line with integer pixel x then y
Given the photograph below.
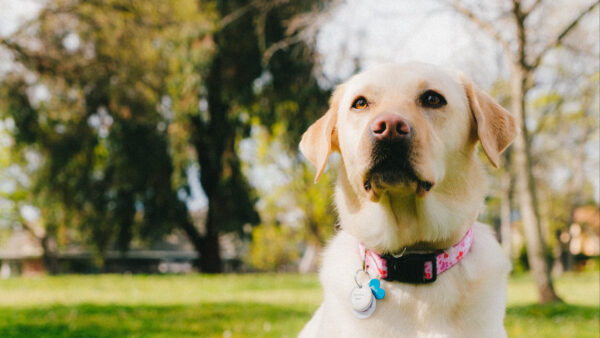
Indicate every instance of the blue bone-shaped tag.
{"type": "Point", "coordinates": [378, 292]}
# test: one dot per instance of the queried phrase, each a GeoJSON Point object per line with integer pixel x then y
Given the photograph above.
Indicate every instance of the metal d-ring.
{"type": "Point", "coordinates": [356, 277]}
{"type": "Point", "coordinates": [400, 254]}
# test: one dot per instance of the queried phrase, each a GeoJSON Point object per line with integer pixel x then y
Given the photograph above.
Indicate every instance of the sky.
{"type": "Point", "coordinates": [401, 31]}
{"type": "Point", "coordinates": [14, 12]}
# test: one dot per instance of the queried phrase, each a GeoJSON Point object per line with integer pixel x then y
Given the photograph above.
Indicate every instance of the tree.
{"type": "Point", "coordinates": [99, 126]}
{"type": "Point", "coordinates": [261, 67]}
{"type": "Point", "coordinates": [525, 57]}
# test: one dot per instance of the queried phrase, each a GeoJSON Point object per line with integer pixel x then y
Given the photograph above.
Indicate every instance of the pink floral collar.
{"type": "Point", "coordinates": [416, 268]}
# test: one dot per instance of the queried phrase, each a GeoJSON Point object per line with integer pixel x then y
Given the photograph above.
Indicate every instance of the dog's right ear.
{"type": "Point", "coordinates": [318, 141]}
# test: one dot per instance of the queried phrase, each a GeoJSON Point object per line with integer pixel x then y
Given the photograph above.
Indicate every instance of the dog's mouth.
{"type": "Point", "coordinates": [392, 168]}
{"type": "Point", "coordinates": [377, 181]}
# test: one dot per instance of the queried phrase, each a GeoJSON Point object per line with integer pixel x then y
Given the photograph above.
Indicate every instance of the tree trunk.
{"type": "Point", "coordinates": [310, 259]}
{"type": "Point", "coordinates": [210, 252]}
{"type": "Point", "coordinates": [505, 219]}
{"type": "Point", "coordinates": [47, 239]}
{"type": "Point", "coordinates": [206, 245]}
{"type": "Point", "coordinates": [194, 237]}
{"type": "Point", "coordinates": [212, 137]}
{"type": "Point", "coordinates": [575, 198]}
{"type": "Point", "coordinates": [525, 189]}
{"type": "Point", "coordinates": [50, 251]}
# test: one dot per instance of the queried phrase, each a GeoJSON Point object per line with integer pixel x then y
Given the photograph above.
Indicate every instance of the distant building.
{"type": "Point", "coordinates": [22, 254]}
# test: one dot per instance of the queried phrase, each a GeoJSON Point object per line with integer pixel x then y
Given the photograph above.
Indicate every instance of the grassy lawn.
{"type": "Point", "coordinates": [238, 306]}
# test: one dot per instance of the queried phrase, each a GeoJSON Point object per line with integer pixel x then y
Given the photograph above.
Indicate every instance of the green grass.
{"type": "Point", "coordinates": [578, 317]}
{"type": "Point", "coordinates": [261, 305]}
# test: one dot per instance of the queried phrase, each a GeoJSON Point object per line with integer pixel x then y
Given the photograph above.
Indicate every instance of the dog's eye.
{"type": "Point", "coordinates": [431, 99]}
{"type": "Point", "coordinates": [360, 103]}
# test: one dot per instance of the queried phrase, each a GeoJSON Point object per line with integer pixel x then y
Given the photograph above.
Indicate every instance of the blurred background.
{"type": "Point", "coordinates": [160, 138]}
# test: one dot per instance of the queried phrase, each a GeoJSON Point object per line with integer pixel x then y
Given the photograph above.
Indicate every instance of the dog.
{"type": "Point", "coordinates": [409, 191]}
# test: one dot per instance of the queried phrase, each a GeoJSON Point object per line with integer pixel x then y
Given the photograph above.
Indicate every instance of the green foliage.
{"type": "Point", "coordinates": [256, 305]}
{"type": "Point", "coordinates": [100, 130]}
{"type": "Point", "coordinates": [274, 247]}
{"type": "Point", "coordinates": [294, 211]}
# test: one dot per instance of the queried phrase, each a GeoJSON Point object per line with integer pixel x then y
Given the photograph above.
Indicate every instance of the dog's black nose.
{"type": "Point", "coordinates": [391, 127]}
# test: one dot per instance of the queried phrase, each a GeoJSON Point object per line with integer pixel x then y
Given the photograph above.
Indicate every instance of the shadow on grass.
{"type": "Point", "coordinates": [205, 320]}
{"type": "Point", "coordinates": [552, 320]}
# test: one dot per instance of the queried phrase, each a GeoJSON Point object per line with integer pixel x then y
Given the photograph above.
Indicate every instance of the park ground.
{"type": "Point", "coordinates": [253, 305]}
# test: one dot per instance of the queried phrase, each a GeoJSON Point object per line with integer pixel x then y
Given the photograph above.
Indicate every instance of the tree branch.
{"type": "Point", "coordinates": [279, 45]}
{"type": "Point", "coordinates": [519, 20]}
{"type": "Point", "coordinates": [557, 41]}
{"type": "Point", "coordinates": [484, 25]}
{"type": "Point", "coordinates": [35, 230]}
{"type": "Point", "coordinates": [238, 13]}
{"type": "Point", "coordinates": [233, 16]}
{"type": "Point", "coordinates": [13, 47]}
{"type": "Point", "coordinates": [301, 28]}
{"type": "Point", "coordinates": [532, 7]}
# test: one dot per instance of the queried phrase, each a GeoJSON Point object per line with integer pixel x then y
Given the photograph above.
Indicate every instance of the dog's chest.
{"type": "Point", "coordinates": [436, 307]}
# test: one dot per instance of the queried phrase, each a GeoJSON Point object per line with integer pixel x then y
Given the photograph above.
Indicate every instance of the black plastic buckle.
{"type": "Point", "coordinates": [411, 268]}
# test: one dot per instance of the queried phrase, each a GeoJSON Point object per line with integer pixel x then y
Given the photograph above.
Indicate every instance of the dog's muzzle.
{"type": "Point", "coordinates": [391, 156]}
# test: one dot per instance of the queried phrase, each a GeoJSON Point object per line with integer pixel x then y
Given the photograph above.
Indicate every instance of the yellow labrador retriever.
{"type": "Point", "coordinates": [410, 259]}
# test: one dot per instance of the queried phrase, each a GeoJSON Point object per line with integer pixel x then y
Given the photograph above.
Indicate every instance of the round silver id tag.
{"type": "Point", "coordinates": [363, 302]}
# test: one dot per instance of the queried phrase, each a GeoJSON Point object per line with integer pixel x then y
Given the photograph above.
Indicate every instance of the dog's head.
{"type": "Point", "coordinates": [401, 128]}
{"type": "Point", "coordinates": [408, 134]}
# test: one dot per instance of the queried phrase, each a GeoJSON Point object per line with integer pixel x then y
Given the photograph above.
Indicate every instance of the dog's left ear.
{"type": "Point", "coordinates": [496, 127]}
{"type": "Point", "coordinates": [318, 141]}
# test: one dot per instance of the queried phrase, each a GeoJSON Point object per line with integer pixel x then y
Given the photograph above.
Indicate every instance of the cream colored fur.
{"type": "Point", "coordinates": [469, 299]}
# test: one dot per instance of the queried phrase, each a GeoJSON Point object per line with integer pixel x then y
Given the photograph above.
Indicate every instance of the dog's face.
{"type": "Point", "coordinates": [407, 136]}
{"type": "Point", "coordinates": [404, 128]}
